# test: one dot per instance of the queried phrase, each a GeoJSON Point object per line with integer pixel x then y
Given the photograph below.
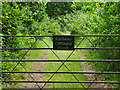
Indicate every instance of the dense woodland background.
{"type": "Point", "coordinates": [54, 18]}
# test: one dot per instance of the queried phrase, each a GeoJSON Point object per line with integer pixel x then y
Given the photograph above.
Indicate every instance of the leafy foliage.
{"type": "Point", "coordinates": [55, 9]}
{"type": "Point", "coordinates": [97, 18]}
{"type": "Point", "coordinates": [23, 18]}
{"type": "Point", "coordinates": [33, 18]}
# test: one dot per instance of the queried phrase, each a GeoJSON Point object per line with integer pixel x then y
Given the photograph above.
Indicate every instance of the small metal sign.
{"type": "Point", "coordinates": [63, 42]}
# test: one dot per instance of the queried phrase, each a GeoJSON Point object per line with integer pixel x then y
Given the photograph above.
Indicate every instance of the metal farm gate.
{"type": "Point", "coordinates": [20, 61]}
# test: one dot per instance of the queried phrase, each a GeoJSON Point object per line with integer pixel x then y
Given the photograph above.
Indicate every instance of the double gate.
{"type": "Point", "coordinates": [37, 37]}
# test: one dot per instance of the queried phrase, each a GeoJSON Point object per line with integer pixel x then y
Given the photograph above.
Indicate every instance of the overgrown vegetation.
{"type": "Point", "coordinates": [98, 18]}
{"type": "Point", "coordinates": [33, 18]}
{"type": "Point", "coordinates": [23, 18]}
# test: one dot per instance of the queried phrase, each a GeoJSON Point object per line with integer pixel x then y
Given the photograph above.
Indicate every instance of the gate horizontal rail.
{"type": "Point", "coordinates": [60, 60]}
{"type": "Point", "coordinates": [52, 48]}
{"type": "Point", "coordinates": [61, 82]}
{"type": "Point", "coordinates": [105, 35]}
{"type": "Point", "coordinates": [62, 72]}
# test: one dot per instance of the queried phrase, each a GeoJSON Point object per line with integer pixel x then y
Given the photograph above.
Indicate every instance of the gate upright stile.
{"type": "Point", "coordinates": [62, 61]}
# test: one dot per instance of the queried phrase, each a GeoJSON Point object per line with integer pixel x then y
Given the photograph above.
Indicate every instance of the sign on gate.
{"type": "Point", "coordinates": [62, 42]}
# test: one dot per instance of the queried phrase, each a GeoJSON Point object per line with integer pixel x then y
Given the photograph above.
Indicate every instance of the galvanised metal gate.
{"type": "Point", "coordinates": [62, 61]}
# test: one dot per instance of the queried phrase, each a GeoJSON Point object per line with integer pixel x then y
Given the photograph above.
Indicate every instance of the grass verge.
{"type": "Point", "coordinates": [99, 66]}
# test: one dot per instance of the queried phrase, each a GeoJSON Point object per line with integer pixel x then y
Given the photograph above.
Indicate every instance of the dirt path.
{"type": "Point", "coordinates": [37, 66]}
{"type": "Point", "coordinates": [88, 67]}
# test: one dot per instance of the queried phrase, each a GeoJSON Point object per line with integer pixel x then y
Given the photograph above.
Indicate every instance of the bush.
{"type": "Point", "coordinates": [23, 18]}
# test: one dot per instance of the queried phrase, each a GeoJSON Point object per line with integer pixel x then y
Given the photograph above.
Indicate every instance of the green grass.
{"type": "Point", "coordinates": [35, 54]}
{"type": "Point", "coordinates": [0, 68]}
{"type": "Point", "coordinates": [98, 66]}
{"type": "Point", "coordinates": [31, 55]}
{"type": "Point", "coordinates": [0, 87]}
{"type": "Point", "coordinates": [73, 66]}
{"type": "Point", "coordinates": [89, 54]}
{"type": "Point", "coordinates": [53, 66]}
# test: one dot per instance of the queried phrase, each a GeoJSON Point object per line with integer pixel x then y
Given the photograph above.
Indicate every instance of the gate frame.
{"type": "Point", "coordinates": [63, 61]}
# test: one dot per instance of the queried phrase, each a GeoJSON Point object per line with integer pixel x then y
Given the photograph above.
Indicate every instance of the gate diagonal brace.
{"type": "Point", "coordinates": [23, 66]}
{"type": "Point", "coordinates": [62, 63]}
{"type": "Point", "coordinates": [104, 67]}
